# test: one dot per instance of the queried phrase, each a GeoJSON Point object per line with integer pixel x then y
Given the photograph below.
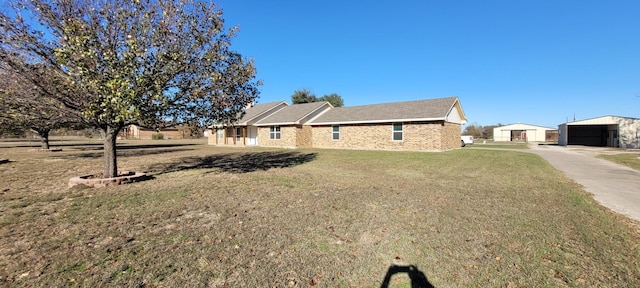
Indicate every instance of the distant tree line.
{"type": "Point", "coordinates": [306, 96]}
{"type": "Point", "coordinates": [480, 132]}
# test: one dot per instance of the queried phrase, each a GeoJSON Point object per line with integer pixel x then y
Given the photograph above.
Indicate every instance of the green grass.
{"type": "Point", "coordinates": [292, 218]}
{"type": "Point", "coordinates": [499, 145]}
{"type": "Point", "coordinates": [628, 159]}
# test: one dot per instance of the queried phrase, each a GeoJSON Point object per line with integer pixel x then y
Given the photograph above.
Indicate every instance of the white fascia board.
{"type": "Point", "coordinates": [276, 124]}
{"type": "Point", "coordinates": [378, 121]}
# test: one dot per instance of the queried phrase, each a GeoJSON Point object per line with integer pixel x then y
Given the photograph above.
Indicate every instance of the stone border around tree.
{"type": "Point", "coordinates": [125, 177]}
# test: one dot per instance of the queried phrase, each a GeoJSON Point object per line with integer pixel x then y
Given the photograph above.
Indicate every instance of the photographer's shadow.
{"type": "Point", "coordinates": [418, 279]}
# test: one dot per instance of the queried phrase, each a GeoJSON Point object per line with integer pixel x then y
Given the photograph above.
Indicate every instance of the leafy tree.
{"type": "Point", "coordinates": [151, 63]}
{"type": "Point", "coordinates": [24, 106]}
{"type": "Point", "coordinates": [303, 96]}
{"type": "Point", "coordinates": [306, 96]}
{"type": "Point", "coordinates": [334, 99]}
{"type": "Point", "coordinates": [474, 130]}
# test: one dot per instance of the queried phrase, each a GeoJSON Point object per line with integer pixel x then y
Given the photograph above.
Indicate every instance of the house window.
{"type": "Point", "coordinates": [397, 132]}
{"type": "Point", "coordinates": [335, 132]}
{"type": "Point", "coordinates": [274, 132]}
{"type": "Point", "coordinates": [220, 133]}
{"type": "Point", "coordinates": [238, 134]}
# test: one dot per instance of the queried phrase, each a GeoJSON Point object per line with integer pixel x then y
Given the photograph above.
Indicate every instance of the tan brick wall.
{"type": "Point", "coordinates": [287, 137]}
{"type": "Point", "coordinates": [430, 136]}
{"type": "Point", "coordinates": [303, 136]}
{"type": "Point", "coordinates": [228, 136]}
{"type": "Point", "coordinates": [451, 136]}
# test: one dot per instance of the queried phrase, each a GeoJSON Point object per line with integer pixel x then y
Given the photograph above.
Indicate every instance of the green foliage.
{"type": "Point", "coordinates": [480, 132]}
{"type": "Point", "coordinates": [157, 136]}
{"type": "Point", "coordinates": [151, 63]}
{"type": "Point", "coordinates": [306, 96]}
{"type": "Point", "coordinates": [303, 96]}
{"type": "Point", "coordinates": [334, 99]}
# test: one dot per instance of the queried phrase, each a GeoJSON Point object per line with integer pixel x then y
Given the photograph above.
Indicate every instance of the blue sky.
{"type": "Point", "coordinates": [536, 62]}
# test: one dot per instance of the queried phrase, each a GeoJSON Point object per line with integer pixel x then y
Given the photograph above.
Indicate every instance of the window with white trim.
{"type": "Point", "coordinates": [397, 132]}
{"type": "Point", "coordinates": [274, 132]}
{"type": "Point", "coordinates": [220, 133]}
{"type": "Point", "coordinates": [335, 132]}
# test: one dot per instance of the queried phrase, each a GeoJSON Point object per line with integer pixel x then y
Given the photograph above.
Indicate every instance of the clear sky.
{"type": "Point", "coordinates": [536, 62]}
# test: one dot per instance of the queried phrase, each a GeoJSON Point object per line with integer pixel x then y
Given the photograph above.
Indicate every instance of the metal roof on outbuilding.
{"type": "Point", "coordinates": [604, 120]}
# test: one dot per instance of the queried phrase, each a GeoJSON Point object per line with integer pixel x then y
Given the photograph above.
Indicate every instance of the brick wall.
{"type": "Point", "coordinates": [227, 138]}
{"type": "Point", "coordinates": [303, 136]}
{"type": "Point", "coordinates": [451, 133]}
{"type": "Point", "coordinates": [428, 136]}
{"type": "Point", "coordinates": [288, 138]}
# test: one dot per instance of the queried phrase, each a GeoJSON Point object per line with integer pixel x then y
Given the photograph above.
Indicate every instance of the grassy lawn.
{"type": "Point", "coordinates": [628, 159]}
{"type": "Point", "coordinates": [499, 145]}
{"type": "Point", "coordinates": [222, 217]}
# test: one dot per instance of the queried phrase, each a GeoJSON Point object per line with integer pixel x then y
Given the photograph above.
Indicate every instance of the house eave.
{"type": "Point", "coordinates": [378, 121]}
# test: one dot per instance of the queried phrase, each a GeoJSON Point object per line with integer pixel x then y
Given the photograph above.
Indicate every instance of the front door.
{"type": "Point", "coordinates": [252, 135]}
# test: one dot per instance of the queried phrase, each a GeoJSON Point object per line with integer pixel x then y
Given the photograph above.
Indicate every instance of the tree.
{"type": "Point", "coordinates": [23, 106]}
{"type": "Point", "coordinates": [151, 63]}
{"type": "Point", "coordinates": [306, 96]}
{"type": "Point", "coordinates": [474, 130]}
{"type": "Point", "coordinates": [334, 99]}
{"type": "Point", "coordinates": [303, 96]}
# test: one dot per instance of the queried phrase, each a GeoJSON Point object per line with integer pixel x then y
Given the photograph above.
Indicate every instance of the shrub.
{"type": "Point", "coordinates": [157, 136]}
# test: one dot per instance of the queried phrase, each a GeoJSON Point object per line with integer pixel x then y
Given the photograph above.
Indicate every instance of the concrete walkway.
{"type": "Point", "coordinates": [613, 185]}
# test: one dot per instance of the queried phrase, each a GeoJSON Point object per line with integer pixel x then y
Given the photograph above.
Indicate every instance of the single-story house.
{"type": "Point", "coordinates": [432, 125]}
{"type": "Point", "coordinates": [243, 132]}
{"type": "Point", "coordinates": [520, 132]}
{"type": "Point", "coordinates": [288, 127]}
{"type": "Point", "coordinates": [139, 132]}
{"type": "Point", "coordinates": [606, 131]}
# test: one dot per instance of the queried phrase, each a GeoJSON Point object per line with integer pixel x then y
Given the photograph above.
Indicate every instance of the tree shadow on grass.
{"type": "Point", "coordinates": [236, 162]}
{"type": "Point", "coordinates": [129, 153]}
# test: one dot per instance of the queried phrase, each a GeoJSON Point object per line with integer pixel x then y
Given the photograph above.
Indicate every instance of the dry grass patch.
{"type": "Point", "coordinates": [296, 218]}
{"type": "Point", "coordinates": [628, 159]}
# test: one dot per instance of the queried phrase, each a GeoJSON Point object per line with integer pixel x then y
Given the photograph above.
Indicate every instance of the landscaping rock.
{"type": "Point", "coordinates": [94, 181]}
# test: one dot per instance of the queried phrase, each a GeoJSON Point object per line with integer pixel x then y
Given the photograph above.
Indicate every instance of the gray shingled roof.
{"type": "Point", "coordinates": [421, 110]}
{"type": "Point", "coordinates": [257, 110]}
{"type": "Point", "coordinates": [291, 115]}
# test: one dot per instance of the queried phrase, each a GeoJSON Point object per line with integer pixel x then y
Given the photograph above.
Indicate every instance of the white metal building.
{"type": "Point", "coordinates": [520, 132]}
{"type": "Point", "coordinates": [606, 131]}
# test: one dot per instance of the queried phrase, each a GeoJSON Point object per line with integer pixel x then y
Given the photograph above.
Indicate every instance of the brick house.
{"type": "Point", "coordinates": [139, 132]}
{"type": "Point", "coordinates": [431, 125]}
{"type": "Point", "coordinates": [243, 132]}
{"type": "Point", "coordinates": [288, 127]}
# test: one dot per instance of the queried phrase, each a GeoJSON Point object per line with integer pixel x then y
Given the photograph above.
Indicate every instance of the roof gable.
{"type": "Point", "coordinates": [604, 120]}
{"type": "Point", "coordinates": [295, 114]}
{"type": "Point", "coordinates": [522, 126]}
{"type": "Point", "coordinates": [260, 111]}
{"type": "Point", "coordinates": [421, 110]}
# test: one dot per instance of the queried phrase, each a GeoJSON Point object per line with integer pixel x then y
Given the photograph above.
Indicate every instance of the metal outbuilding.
{"type": "Point", "coordinates": [521, 133]}
{"type": "Point", "coordinates": [606, 131]}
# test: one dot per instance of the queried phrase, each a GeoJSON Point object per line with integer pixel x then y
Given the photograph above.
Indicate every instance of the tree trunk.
{"type": "Point", "coordinates": [44, 137]}
{"type": "Point", "coordinates": [110, 161]}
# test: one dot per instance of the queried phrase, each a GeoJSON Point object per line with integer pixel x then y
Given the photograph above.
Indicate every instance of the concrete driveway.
{"type": "Point", "coordinates": [613, 185]}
